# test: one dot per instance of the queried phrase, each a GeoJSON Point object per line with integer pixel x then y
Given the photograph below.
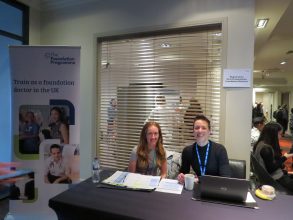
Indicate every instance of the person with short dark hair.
{"type": "Point", "coordinates": [291, 122]}
{"type": "Point", "coordinates": [204, 156]}
{"type": "Point", "coordinates": [112, 120]}
{"type": "Point", "coordinates": [258, 124]}
{"type": "Point", "coordinates": [159, 114]}
{"type": "Point", "coordinates": [268, 153]}
{"type": "Point", "coordinates": [30, 135]}
{"type": "Point", "coordinates": [56, 170]}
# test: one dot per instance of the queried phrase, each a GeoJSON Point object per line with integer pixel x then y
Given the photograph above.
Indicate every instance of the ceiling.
{"type": "Point", "coordinates": [273, 45]}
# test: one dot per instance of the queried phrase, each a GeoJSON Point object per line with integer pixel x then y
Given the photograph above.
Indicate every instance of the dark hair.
{"type": "Point", "coordinates": [57, 109]}
{"type": "Point", "coordinates": [203, 118]}
{"type": "Point", "coordinates": [258, 120]}
{"type": "Point", "coordinates": [31, 113]}
{"type": "Point", "coordinates": [269, 135]}
{"type": "Point", "coordinates": [111, 100]}
{"type": "Point", "coordinates": [60, 112]}
{"type": "Point", "coordinates": [57, 146]}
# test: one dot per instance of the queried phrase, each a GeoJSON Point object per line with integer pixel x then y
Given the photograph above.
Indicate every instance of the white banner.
{"type": "Point", "coordinates": [45, 88]}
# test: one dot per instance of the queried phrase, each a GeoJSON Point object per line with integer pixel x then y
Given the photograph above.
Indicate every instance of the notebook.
{"type": "Point", "coordinates": [230, 191]}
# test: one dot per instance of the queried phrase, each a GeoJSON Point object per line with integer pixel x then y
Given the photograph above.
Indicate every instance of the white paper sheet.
{"type": "Point", "coordinates": [169, 186]}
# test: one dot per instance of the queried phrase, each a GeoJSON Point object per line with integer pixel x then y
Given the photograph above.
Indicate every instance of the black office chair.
{"type": "Point", "coordinates": [238, 168]}
{"type": "Point", "coordinates": [264, 178]}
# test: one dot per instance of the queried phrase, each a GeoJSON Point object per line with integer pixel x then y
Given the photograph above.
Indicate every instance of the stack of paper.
{"type": "Point", "coordinates": [137, 181]}
{"type": "Point", "coordinates": [133, 180]}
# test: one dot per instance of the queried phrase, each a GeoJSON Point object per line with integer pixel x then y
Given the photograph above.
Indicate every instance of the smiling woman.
{"type": "Point", "coordinates": [149, 157]}
{"type": "Point", "coordinates": [204, 156]}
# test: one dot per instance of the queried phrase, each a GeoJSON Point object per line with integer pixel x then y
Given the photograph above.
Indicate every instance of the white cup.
{"type": "Point", "coordinates": [189, 181]}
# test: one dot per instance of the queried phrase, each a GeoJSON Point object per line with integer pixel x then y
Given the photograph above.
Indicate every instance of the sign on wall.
{"type": "Point", "coordinates": [237, 78]}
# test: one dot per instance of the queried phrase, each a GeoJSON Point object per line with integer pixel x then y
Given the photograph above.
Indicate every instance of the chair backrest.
{"type": "Point", "coordinates": [238, 168]}
{"type": "Point", "coordinates": [173, 164]}
{"type": "Point", "coordinates": [264, 178]}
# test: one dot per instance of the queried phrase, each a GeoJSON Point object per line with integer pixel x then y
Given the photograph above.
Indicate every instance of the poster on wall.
{"type": "Point", "coordinates": [45, 93]}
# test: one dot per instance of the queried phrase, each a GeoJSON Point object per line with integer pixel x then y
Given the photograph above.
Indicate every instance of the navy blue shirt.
{"type": "Point", "coordinates": [217, 161]}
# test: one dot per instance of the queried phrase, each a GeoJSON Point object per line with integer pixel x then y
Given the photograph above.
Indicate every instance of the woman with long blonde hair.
{"type": "Point", "coordinates": [149, 157]}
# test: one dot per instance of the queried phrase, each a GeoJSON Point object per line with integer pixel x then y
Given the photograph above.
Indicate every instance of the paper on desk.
{"type": "Point", "coordinates": [169, 186]}
{"type": "Point", "coordinates": [133, 180]}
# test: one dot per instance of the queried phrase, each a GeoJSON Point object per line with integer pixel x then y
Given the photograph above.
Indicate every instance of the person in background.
{"type": "Point", "coordinates": [191, 112]}
{"type": "Point", "coordinates": [29, 136]}
{"type": "Point", "coordinates": [149, 157]}
{"type": "Point", "coordinates": [285, 119]}
{"type": "Point", "coordinates": [204, 156]}
{"type": "Point", "coordinates": [282, 118]}
{"type": "Point", "coordinates": [291, 122]}
{"type": "Point", "coordinates": [268, 153]}
{"type": "Point", "coordinates": [58, 126]}
{"type": "Point", "coordinates": [258, 124]}
{"type": "Point", "coordinates": [21, 128]}
{"type": "Point", "coordinates": [276, 112]}
{"type": "Point", "coordinates": [112, 119]}
{"type": "Point", "coordinates": [56, 170]}
{"type": "Point", "coordinates": [164, 115]}
{"type": "Point", "coordinates": [258, 110]}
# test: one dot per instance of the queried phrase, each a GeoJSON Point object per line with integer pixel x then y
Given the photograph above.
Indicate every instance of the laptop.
{"type": "Point", "coordinates": [216, 189]}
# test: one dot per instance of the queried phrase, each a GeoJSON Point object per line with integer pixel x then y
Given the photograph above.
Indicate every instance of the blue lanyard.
{"type": "Point", "coordinates": [203, 168]}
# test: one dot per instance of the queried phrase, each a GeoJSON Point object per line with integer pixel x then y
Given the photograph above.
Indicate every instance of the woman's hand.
{"type": "Point", "coordinates": [181, 178]}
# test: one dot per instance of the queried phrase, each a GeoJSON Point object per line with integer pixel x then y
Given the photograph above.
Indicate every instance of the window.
{"type": "Point", "coordinates": [169, 76]}
{"type": "Point", "coordinates": [14, 20]}
{"type": "Point", "coordinates": [13, 31]}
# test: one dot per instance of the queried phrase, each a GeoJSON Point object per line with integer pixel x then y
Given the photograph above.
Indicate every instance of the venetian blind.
{"type": "Point", "coordinates": [168, 77]}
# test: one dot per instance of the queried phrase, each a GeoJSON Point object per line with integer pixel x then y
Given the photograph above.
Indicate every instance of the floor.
{"type": "Point", "coordinates": [286, 144]}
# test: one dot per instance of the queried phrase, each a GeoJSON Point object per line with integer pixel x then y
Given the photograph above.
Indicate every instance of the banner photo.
{"type": "Point", "coordinates": [46, 131]}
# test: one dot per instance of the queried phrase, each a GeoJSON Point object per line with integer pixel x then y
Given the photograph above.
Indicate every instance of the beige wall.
{"type": "Point", "coordinates": [79, 25]}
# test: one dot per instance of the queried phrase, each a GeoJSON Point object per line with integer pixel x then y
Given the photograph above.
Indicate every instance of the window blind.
{"type": "Point", "coordinates": [168, 77]}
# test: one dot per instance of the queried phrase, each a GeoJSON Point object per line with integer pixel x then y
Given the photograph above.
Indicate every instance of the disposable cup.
{"type": "Point", "coordinates": [189, 181]}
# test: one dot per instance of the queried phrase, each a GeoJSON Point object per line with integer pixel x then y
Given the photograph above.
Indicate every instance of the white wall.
{"type": "Point", "coordinates": [267, 99]}
{"type": "Point", "coordinates": [79, 25]}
